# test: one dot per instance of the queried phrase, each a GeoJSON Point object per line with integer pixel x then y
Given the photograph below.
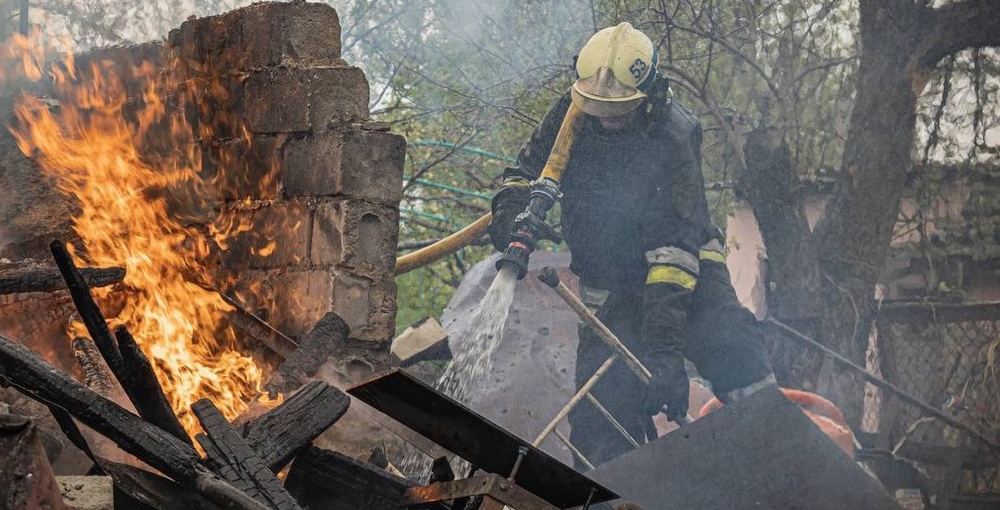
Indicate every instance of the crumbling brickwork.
{"type": "Point", "coordinates": [291, 154]}
{"type": "Point", "coordinates": [310, 167]}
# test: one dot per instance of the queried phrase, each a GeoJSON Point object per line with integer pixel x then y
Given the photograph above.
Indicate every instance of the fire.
{"type": "Point", "coordinates": [95, 145]}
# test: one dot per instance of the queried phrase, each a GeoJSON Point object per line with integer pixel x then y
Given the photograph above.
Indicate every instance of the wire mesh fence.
{"type": "Point", "coordinates": [947, 357]}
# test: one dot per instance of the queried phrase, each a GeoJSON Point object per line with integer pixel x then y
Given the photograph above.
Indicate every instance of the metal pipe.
{"type": "Point", "coordinates": [522, 452]}
{"type": "Point", "coordinates": [611, 419]}
{"type": "Point", "coordinates": [565, 440]}
{"type": "Point", "coordinates": [603, 369]}
{"type": "Point", "coordinates": [444, 247]}
{"type": "Point", "coordinates": [881, 383]}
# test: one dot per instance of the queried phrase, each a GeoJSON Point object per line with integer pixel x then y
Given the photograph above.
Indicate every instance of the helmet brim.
{"type": "Point", "coordinates": [600, 106]}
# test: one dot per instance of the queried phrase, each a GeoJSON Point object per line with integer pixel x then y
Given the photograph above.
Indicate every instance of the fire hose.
{"type": "Point", "coordinates": [530, 226]}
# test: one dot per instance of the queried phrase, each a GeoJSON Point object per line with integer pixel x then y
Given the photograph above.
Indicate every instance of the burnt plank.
{"type": "Point", "coordinates": [314, 350]}
{"type": "Point", "coordinates": [90, 313]}
{"type": "Point", "coordinates": [144, 389]}
{"type": "Point", "coordinates": [327, 480]}
{"type": "Point", "coordinates": [145, 490]}
{"type": "Point", "coordinates": [37, 379]}
{"type": "Point", "coordinates": [281, 433]}
{"type": "Point", "coordinates": [45, 383]}
{"type": "Point", "coordinates": [237, 454]}
{"type": "Point", "coordinates": [256, 328]}
{"type": "Point", "coordinates": [18, 278]}
{"type": "Point", "coordinates": [216, 459]}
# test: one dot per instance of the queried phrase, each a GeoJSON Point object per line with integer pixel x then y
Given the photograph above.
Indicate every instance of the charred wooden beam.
{"type": "Point", "coordinates": [228, 448]}
{"type": "Point", "coordinates": [36, 378]}
{"type": "Point", "coordinates": [25, 474]}
{"type": "Point", "coordinates": [19, 278]}
{"type": "Point", "coordinates": [150, 490]}
{"type": "Point", "coordinates": [281, 433]}
{"type": "Point", "coordinates": [314, 350]}
{"type": "Point", "coordinates": [144, 389]}
{"type": "Point", "coordinates": [327, 480]}
{"type": "Point", "coordinates": [89, 311]}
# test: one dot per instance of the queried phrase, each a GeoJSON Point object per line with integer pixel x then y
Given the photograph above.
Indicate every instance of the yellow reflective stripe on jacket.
{"type": "Point", "coordinates": [516, 182]}
{"type": "Point", "coordinates": [713, 251]}
{"type": "Point", "coordinates": [713, 256]}
{"type": "Point", "coordinates": [671, 274]}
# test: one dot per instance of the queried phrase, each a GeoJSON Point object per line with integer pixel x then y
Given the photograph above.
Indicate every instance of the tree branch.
{"type": "Point", "coordinates": [960, 25]}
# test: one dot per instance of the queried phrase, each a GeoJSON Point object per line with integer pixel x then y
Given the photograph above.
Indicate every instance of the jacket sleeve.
{"type": "Point", "coordinates": [672, 234]}
{"type": "Point", "coordinates": [534, 153]}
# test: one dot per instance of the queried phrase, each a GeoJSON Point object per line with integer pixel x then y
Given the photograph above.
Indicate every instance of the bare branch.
{"type": "Point", "coordinates": [958, 26]}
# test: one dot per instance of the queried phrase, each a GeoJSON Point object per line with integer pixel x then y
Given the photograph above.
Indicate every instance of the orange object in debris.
{"type": "Point", "coordinates": [821, 411]}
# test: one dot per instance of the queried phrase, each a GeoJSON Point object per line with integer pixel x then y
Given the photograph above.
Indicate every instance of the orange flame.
{"type": "Point", "coordinates": [94, 146]}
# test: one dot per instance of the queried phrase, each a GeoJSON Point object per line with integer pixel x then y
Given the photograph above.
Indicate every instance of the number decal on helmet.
{"type": "Point", "coordinates": [638, 67]}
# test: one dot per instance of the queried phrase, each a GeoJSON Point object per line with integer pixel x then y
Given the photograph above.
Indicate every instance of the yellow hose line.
{"type": "Point", "coordinates": [553, 169]}
{"type": "Point", "coordinates": [444, 247]}
{"type": "Point", "coordinates": [559, 155]}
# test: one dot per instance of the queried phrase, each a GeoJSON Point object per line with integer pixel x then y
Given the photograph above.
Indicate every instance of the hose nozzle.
{"type": "Point", "coordinates": [515, 256]}
{"type": "Point", "coordinates": [529, 228]}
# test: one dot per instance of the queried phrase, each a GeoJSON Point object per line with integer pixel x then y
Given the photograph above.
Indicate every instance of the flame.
{"type": "Point", "coordinates": [107, 149]}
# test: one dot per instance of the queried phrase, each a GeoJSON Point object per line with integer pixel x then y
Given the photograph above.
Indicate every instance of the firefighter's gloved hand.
{"type": "Point", "coordinates": [507, 204]}
{"type": "Point", "coordinates": [669, 387]}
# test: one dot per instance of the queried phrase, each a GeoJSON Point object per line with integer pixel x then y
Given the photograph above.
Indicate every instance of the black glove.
{"type": "Point", "coordinates": [669, 386]}
{"type": "Point", "coordinates": [507, 204]}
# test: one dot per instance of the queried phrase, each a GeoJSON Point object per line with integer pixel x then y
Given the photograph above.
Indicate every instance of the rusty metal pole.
{"type": "Point", "coordinates": [550, 278]}
{"type": "Point", "coordinates": [574, 400]}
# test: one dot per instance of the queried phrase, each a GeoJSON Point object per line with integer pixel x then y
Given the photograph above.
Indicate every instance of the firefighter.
{"type": "Point", "coordinates": [650, 262]}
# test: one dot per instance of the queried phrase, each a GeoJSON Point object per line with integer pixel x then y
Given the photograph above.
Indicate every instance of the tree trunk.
{"type": "Point", "coordinates": [901, 42]}
{"type": "Point", "coordinates": [853, 237]}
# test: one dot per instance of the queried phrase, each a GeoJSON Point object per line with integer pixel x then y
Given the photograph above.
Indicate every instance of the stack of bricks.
{"type": "Point", "coordinates": [299, 159]}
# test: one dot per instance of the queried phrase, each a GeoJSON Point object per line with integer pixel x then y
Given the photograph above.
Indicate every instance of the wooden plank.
{"type": "Point", "coordinates": [90, 313]}
{"type": "Point", "coordinates": [149, 490]}
{"type": "Point", "coordinates": [18, 278]}
{"type": "Point", "coordinates": [327, 480]}
{"type": "Point", "coordinates": [37, 379]}
{"type": "Point", "coordinates": [459, 429]}
{"type": "Point", "coordinates": [315, 349]}
{"type": "Point", "coordinates": [425, 340]}
{"type": "Point", "coordinates": [232, 450]}
{"type": "Point", "coordinates": [281, 433]}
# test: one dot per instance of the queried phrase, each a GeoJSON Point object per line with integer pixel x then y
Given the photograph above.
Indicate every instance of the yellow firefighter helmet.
{"type": "Point", "coordinates": [616, 67]}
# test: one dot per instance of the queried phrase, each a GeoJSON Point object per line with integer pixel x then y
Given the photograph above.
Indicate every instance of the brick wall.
{"type": "Point", "coordinates": [284, 129]}
{"type": "Point", "coordinates": [302, 162]}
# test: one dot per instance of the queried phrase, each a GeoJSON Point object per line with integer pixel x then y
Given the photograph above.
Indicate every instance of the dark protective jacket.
{"type": "Point", "coordinates": [625, 193]}
{"type": "Point", "coordinates": [634, 212]}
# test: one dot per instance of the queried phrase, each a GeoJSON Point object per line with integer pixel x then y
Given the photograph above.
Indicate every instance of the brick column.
{"type": "Point", "coordinates": [301, 161]}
